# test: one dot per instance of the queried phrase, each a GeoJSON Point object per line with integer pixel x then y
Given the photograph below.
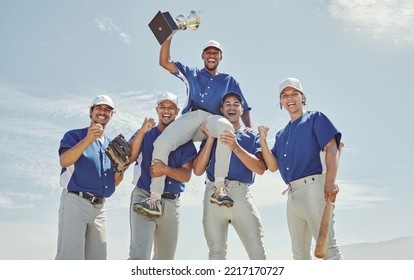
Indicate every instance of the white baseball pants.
{"type": "Point", "coordinates": [243, 216]}
{"type": "Point", "coordinates": [82, 229]}
{"type": "Point", "coordinates": [161, 232]}
{"type": "Point", "coordinates": [305, 205]}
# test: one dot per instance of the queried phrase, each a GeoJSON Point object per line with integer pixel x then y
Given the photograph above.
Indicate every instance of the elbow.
{"type": "Point", "coordinates": [63, 162]}
{"type": "Point", "coordinates": [272, 168]}
{"type": "Point", "coordinates": [261, 171]}
{"type": "Point", "coordinates": [164, 63]}
{"type": "Point", "coordinates": [161, 63]}
{"type": "Point", "coordinates": [187, 177]}
{"type": "Point", "coordinates": [198, 172]}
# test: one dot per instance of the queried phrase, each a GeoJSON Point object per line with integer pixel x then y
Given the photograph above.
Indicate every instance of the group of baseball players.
{"type": "Point", "coordinates": [164, 156]}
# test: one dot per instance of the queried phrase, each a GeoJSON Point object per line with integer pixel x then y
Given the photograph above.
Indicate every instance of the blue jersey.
{"type": "Point", "coordinates": [249, 141]}
{"type": "Point", "coordinates": [93, 171]}
{"type": "Point", "coordinates": [298, 145]}
{"type": "Point", "coordinates": [205, 91]}
{"type": "Point", "coordinates": [182, 155]}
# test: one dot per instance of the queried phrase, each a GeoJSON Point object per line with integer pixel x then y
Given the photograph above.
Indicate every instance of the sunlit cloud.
{"type": "Point", "coordinates": [382, 19]}
{"type": "Point", "coordinates": [105, 24]}
{"type": "Point", "coordinates": [18, 200]}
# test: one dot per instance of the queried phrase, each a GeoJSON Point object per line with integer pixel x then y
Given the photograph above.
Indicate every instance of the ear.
{"type": "Point", "coordinates": [221, 109]}
{"type": "Point", "coordinates": [303, 99]}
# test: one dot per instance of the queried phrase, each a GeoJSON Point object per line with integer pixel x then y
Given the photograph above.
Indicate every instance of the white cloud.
{"type": "Point", "coordinates": [18, 200]}
{"type": "Point", "coordinates": [382, 19]}
{"type": "Point", "coordinates": [105, 24]}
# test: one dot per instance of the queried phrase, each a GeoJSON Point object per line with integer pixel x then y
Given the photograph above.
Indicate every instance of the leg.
{"type": "Point", "coordinates": [247, 222]}
{"type": "Point", "coordinates": [142, 229]}
{"type": "Point", "coordinates": [215, 225]}
{"type": "Point", "coordinates": [166, 234]}
{"type": "Point", "coordinates": [298, 228]}
{"type": "Point", "coordinates": [216, 125]}
{"type": "Point", "coordinates": [176, 134]}
{"type": "Point", "coordinates": [316, 204]}
{"type": "Point", "coordinates": [95, 247]}
{"type": "Point", "coordinates": [73, 218]}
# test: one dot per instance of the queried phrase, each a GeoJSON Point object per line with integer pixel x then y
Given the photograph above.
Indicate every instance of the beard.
{"type": "Point", "coordinates": [210, 68]}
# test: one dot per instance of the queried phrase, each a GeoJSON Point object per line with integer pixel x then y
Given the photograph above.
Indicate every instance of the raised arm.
{"type": "Point", "coordinates": [165, 60]}
{"type": "Point", "coordinates": [203, 158]}
{"type": "Point", "coordinates": [69, 156]}
{"type": "Point", "coordinates": [268, 157]}
{"type": "Point", "coordinates": [137, 140]}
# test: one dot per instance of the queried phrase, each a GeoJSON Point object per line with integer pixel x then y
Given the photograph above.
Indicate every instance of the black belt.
{"type": "Point", "coordinates": [195, 108]}
{"type": "Point", "coordinates": [92, 199]}
{"type": "Point", "coordinates": [168, 195]}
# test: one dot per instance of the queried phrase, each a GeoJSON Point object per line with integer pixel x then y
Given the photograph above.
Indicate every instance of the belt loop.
{"type": "Point", "coordinates": [289, 188]}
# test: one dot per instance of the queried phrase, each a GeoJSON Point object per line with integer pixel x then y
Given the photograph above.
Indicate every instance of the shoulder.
{"type": "Point", "coordinates": [76, 132]}
{"type": "Point", "coordinates": [316, 116]}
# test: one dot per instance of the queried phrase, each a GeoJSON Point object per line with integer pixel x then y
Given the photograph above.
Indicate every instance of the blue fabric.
{"type": "Point", "coordinates": [206, 91]}
{"type": "Point", "coordinates": [298, 145]}
{"type": "Point", "coordinates": [93, 171]}
{"type": "Point", "coordinates": [249, 141]}
{"type": "Point", "coordinates": [176, 159]}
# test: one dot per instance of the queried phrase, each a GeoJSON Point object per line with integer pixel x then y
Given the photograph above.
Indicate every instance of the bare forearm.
{"type": "Point", "coordinates": [71, 155]}
{"type": "Point", "coordinates": [136, 145]}
{"type": "Point", "coordinates": [268, 157]}
{"type": "Point", "coordinates": [201, 161]}
{"type": "Point", "coordinates": [118, 178]}
{"type": "Point", "coordinates": [165, 60]}
{"type": "Point", "coordinates": [252, 162]}
{"type": "Point", "coordinates": [179, 174]}
{"type": "Point", "coordinates": [332, 163]}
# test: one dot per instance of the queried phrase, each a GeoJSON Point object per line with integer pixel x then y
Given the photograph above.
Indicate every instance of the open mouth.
{"type": "Point", "coordinates": [211, 61]}
{"type": "Point", "coordinates": [166, 116]}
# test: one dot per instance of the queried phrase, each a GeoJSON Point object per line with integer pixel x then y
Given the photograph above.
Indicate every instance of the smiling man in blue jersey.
{"type": "Point", "coordinates": [245, 162]}
{"type": "Point", "coordinates": [306, 153]}
{"type": "Point", "coordinates": [147, 230]}
{"type": "Point", "coordinates": [205, 89]}
{"type": "Point", "coordinates": [87, 178]}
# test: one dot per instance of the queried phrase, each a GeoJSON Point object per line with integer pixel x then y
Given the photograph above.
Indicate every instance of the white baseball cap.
{"type": "Point", "coordinates": [290, 82]}
{"type": "Point", "coordinates": [212, 43]}
{"type": "Point", "coordinates": [103, 99]}
{"type": "Point", "coordinates": [168, 96]}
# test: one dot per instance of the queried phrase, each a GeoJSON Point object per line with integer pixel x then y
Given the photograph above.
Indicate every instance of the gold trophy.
{"type": "Point", "coordinates": [163, 25]}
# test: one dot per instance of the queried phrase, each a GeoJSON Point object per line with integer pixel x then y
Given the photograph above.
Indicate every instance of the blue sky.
{"type": "Point", "coordinates": [355, 60]}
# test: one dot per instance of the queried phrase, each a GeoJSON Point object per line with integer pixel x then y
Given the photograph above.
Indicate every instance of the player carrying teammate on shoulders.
{"type": "Point", "coordinates": [149, 230]}
{"type": "Point", "coordinates": [245, 162]}
{"type": "Point", "coordinates": [205, 89]}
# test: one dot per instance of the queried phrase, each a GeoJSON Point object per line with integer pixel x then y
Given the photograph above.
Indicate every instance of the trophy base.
{"type": "Point", "coordinates": [162, 26]}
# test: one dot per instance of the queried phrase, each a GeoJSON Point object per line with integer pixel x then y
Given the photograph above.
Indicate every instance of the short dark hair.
{"type": "Point", "coordinates": [231, 93]}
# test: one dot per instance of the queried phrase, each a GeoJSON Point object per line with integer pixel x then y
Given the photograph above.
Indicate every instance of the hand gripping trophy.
{"type": "Point", "coordinates": [163, 25]}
